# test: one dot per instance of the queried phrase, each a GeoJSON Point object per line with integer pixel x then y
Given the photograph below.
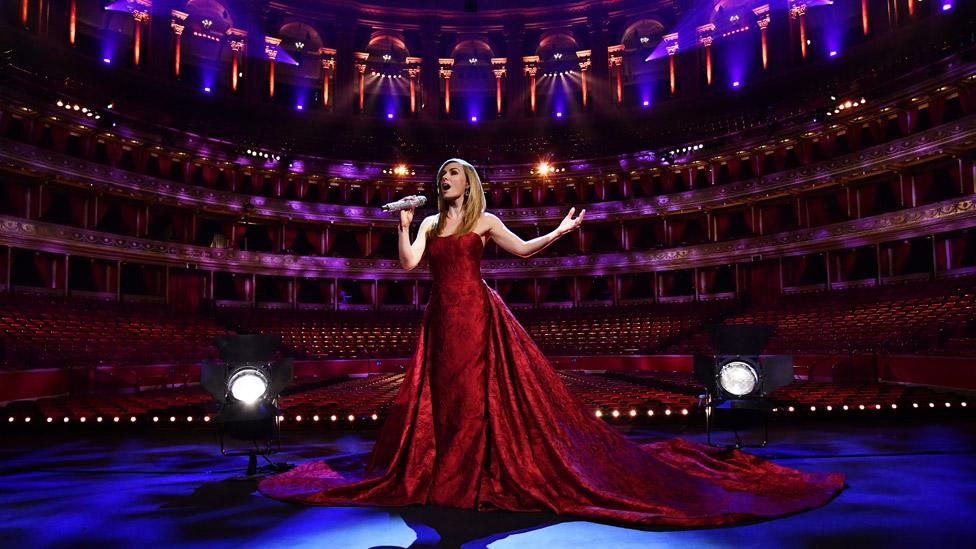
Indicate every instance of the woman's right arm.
{"type": "Point", "coordinates": [410, 254]}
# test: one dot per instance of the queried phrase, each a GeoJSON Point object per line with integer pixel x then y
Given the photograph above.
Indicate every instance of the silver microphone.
{"type": "Point", "coordinates": [405, 203]}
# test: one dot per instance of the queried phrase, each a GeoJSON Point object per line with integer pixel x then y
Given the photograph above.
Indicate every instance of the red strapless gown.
{"type": "Point", "coordinates": [483, 422]}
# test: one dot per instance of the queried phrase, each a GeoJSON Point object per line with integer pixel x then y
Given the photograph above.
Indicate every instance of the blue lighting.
{"type": "Point", "coordinates": [833, 53]}
{"type": "Point", "coordinates": [389, 116]}
{"type": "Point", "coordinates": [206, 89]}
{"type": "Point", "coordinates": [107, 60]}
{"type": "Point", "coordinates": [559, 114]}
{"type": "Point", "coordinates": [474, 118]}
{"type": "Point", "coordinates": [646, 103]}
{"type": "Point", "coordinates": [735, 84]}
{"type": "Point", "coordinates": [946, 6]}
{"type": "Point", "coordinates": [300, 107]}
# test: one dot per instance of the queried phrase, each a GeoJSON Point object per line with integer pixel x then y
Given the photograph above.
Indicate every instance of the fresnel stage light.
{"type": "Point", "coordinates": [246, 386]}
{"type": "Point", "coordinates": [738, 378]}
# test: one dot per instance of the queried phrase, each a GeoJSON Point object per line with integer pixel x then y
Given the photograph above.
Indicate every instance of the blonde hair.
{"type": "Point", "coordinates": [474, 200]}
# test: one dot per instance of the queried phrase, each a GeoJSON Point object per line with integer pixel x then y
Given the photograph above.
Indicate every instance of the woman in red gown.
{"type": "Point", "coordinates": [483, 422]}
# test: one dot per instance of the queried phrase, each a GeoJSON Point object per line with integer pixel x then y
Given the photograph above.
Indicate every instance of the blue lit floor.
{"type": "Point", "coordinates": [911, 484]}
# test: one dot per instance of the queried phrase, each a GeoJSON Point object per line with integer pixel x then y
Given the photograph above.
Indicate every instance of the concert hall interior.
{"type": "Point", "coordinates": [173, 171]}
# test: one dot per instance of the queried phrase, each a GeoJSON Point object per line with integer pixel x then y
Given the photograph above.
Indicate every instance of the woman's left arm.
{"type": "Point", "coordinates": [511, 243]}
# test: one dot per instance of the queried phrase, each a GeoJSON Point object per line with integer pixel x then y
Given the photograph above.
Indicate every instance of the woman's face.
{"type": "Point", "coordinates": [453, 182]}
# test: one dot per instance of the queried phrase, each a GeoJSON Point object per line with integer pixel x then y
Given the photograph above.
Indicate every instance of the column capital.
{"type": "Point", "coordinates": [498, 66]}
{"type": "Point", "coordinates": [797, 9]}
{"type": "Point", "coordinates": [271, 47]}
{"type": "Point", "coordinates": [762, 16]}
{"type": "Point", "coordinates": [584, 59]}
{"type": "Point", "coordinates": [531, 64]}
{"type": "Point", "coordinates": [615, 54]}
{"type": "Point", "coordinates": [705, 36]}
{"type": "Point", "coordinates": [236, 39]}
{"type": "Point", "coordinates": [445, 65]}
{"type": "Point", "coordinates": [671, 43]}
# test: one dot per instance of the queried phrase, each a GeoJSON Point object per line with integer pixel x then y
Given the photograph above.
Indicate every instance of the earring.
{"type": "Point", "coordinates": [467, 191]}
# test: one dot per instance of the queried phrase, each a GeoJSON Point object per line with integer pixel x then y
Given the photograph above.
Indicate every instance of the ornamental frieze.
{"type": "Point", "coordinates": [921, 221]}
{"type": "Point", "coordinates": [827, 172]}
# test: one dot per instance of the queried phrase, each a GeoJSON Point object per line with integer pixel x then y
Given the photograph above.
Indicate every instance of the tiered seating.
{"type": "Point", "coordinates": [908, 318]}
{"type": "Point", "coordinates": [639, 329]}
{"type": "Point", "coordinates": [330, 334]}
{"type": "Point", "coordinates": [46, 332]}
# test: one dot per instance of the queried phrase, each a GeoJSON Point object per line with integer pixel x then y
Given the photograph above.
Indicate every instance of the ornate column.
{"type": "Point", "coordinates": [615, 59]}
{"type": "Point", "coordinates": [271, 52]}
{"type": "Point", "coordinates": [705, 38]}
{"type": "Point", "coordinates": [236, 41]}
{"type": "Point", "coordinates": [498, 68]}
{"type": "Point", "coordinates": [445, 72]}
{"type": "Point", "coordinates": [139, 18]}
{"type": "Point", "coordinates": [414, 65]}
{"type": "Point", "coordinates": [178, 24]}
{"type": "Point", "coordinates": [360, 61]}
{"type": "Point", "coordinates": [798, 11]}
{"type": "Point", "coordinates": [584, 64]}
{"type": "Point", "coordinates": [328, 67]}
{"type": "Point", "coordinates": [671, 44]}
{"type": "Point", "coordinates": [762, 21]}
{"type": "Point", "coordinates": [531, 67]}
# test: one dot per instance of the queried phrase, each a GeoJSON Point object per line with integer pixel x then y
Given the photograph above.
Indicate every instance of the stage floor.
{"type": "Point", "coordinates": [910, 484]}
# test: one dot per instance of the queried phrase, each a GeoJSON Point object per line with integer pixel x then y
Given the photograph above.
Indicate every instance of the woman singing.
{"type": "Point", "coordinates": [483, 422]}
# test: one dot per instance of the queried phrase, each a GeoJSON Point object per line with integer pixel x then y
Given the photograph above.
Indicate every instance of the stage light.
{"type": "Point", "coordinates": [647, 103]}
{"type": "Point", "coordinates": [246, 386]}
{"type": "Point", "coordinates": [474, 118]}
{"type": "Point", "coordinates": [333, 417]}
{"type": "Point", "coordinates": [99, 419]}
{"type": "Point", "coordinates": [830, 408]}
{"type": "Point", "coordinates": [300, 107]}
{"type": "Point", "coordinates": [894, 406]}
{"type": "Point", "coordinates": [389, 116]}
{"type": "Point", "coordinates": [633, 413]}
{"type": "Point", "coordinates": [107, 60]}
{"type": "Point", "coordinates": [667, 412]}
{"type": "Point", "coordinates": [298, 418]}
{"type": "Point", "coordinates": [737, 379]}
{"type": "Point", "coordinates": [27, 419]}
{"type": "Point", "coordinates": [650, 413]}
{"type": "Point", "coordinates": [315, 417]}
{"type": "Point", "coordinates": [50, 419]}
{"type": "Point", "coordinates": [846, 407]}
{"type": "Point", "coordinates": [155, 419]}
{"type": "Point", "coordinates": [615, 413]}
{"type": "Point", "coordinates": [791, 409]}
{"type": "Point", "coordinates": [172, 419]}
{"type": "Point", "coordinates": [10, 420]}
{"type": "Point", "coordinates": [351, 417]}
{"type": "Point", "coordinates": [189, 419]}
{"type": "Point", "coordinates": [131, 419]}
{"type": "Point", "coordinates": [206, 89]}
{"type": "Point", "coordinates": [559, 114]}
{"type": "Point", "coordinates": [860, 407]}
{"type": "Point", "coordinates": [599, 413]}
{"type": "Point", "coordinates": [735, 84]}
{"type": "Point", "coordinates": [833, 53]}
{"type": "Point", "coordinates": [946, 6]}
{"type": "Point", "coordinates": [83, 419]}
{"type": "Point", "coordinates": [206, 419]}
{"type": "Point", "coordinates": [374, 417]}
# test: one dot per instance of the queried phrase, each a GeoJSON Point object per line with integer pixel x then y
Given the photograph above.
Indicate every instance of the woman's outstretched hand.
{"type": "Point", "coordinates": [568, 223]}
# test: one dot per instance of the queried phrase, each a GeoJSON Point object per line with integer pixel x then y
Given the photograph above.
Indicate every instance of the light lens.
{"type": "Point", "coordinates": [738, 378]}
{"type": "Point", "coordinates": [248, 385]}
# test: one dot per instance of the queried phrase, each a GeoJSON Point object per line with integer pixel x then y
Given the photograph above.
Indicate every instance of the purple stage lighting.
{"type": "Point", "coordinates": [647, 103]}
{"type": "Point", "coordinates": [389, 116]}
{"type": "Point", "coordinates": [299, 107]}
{"type": "Point", "coordinates": [946, 6]}
{"type": "Point", "coordinates": [833, 53]}
{"type": "Point", "coordinates": [206, 89]}
{"type": "Point", "coordinates": [107, 60]}
{"type": "Point", "coordinates": [735, 84]}
{"type": "Point", "coordinates": [559, 114]}
{"type": "Point", "coordinates": [474, 118]}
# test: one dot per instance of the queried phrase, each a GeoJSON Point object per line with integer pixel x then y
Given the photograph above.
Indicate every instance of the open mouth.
{"type": "Point", "coordinates": [445, 187]}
